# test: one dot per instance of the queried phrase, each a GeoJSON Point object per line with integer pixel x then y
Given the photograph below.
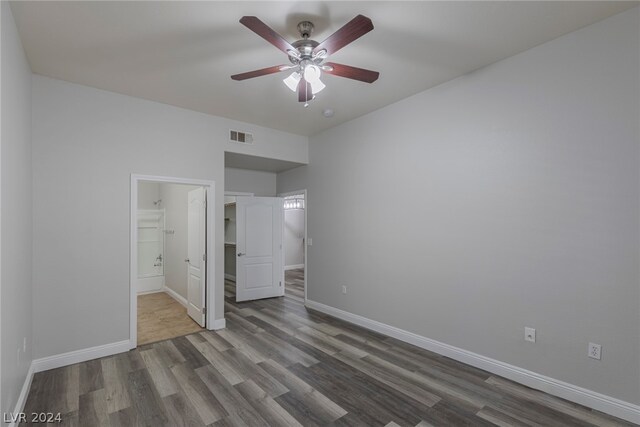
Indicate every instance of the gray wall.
{"type": "Point", "coordinates": [148, 192]}
{"type": "Point", "coordinates": [176, 205]}
{"type": "Point", "coordinates": [15, 213]}
{"type": "Point", "coordinates": [503, 199]}
{"type": "Point", "coordinates": [292, 180]}
{"type": "Point", "coordinates": [259, 183]}
{"type": "Point", "coordinates": [86, 143]}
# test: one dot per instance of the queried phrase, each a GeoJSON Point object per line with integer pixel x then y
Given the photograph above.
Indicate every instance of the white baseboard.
{"type": "Point", "coordinates": [155, 291]}
{"type": "Point", "coordinates": [219, 324]}
{"type": "Point", "coordinates": [589, 398]}
{"type": "Point", "coordinates": [293, 267]}
{"type": "Point", "coordinates": [176, 296]}
{"type": "Point", "coordinates": [78, 356]}
{"type": "Point", "coordinates": [22, 398]}
{"type": "Point", "coordinates": [230, 277]}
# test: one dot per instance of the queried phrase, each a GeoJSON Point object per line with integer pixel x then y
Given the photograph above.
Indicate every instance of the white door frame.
{"type": "Point", "coordinates": [306, 240]}
{"type": "Point", "coordinates": [210, 189]}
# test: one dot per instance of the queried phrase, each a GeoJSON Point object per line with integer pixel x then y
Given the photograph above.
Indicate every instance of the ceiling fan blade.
{"type": "Point", "coordinates": [264, 31]}
{"type": "Point", "coordinates": [350, 72]}
{"type": "Point", "coordinates": [354, 29]}
{"type": "Point", "coordinates": [304, 91]}
{"type": "Point", "coordinates": [261, 72]}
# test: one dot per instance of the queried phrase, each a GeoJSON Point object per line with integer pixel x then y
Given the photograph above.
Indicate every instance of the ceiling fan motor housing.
{"type": "Point", "coordinates": [305, 28]}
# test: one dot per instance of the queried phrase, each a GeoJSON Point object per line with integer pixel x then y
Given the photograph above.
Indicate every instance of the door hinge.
{"type": "Point", "coordinates": [204, 257]}
{"type": "Point", "coordinates": [280, 284]}
{"type": "Point", "coordinates": [204, 310]}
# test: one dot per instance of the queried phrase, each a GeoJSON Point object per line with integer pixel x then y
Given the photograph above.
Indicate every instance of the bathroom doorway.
{"type": "Point", "coordinates": [170, 255]}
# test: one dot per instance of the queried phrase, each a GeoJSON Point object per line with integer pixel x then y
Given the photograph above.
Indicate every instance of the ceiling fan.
{"type": "Point", "coordinates": [307, 56]}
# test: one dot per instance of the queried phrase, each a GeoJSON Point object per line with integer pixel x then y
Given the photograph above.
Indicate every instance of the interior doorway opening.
{"type": "Point", "coordinates": [295, 244]}
{"type": "Point", "coordinates": [171, 278]}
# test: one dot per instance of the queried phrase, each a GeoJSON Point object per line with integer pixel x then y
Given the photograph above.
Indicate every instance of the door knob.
{"type": "Point", "coordinates": [186, 260]}
{"type": "Point", "coordinates": [240, 254]}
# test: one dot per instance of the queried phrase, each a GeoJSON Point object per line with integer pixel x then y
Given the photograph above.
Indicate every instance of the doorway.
{"type": "Point", "coordinates": [295, 244]}
{"type": "Point", "coordinates": [253, 247]}
{"type": "Point", "coordinates": [171, 277]}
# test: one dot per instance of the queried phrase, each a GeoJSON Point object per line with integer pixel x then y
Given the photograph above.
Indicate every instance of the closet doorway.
{"type": "Point", "coordinates": [295, 244]}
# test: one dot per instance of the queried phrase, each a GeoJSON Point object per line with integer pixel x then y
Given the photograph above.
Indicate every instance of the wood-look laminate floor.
{"type": "Point", "coordinates": [279, 364]}
{"type": "Point", "coordinates": [294, 284]}
{"type": "Point", "coordinates": [161, 317]}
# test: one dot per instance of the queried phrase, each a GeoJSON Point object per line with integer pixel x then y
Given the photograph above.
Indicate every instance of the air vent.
{"type": "Point", "coordinates": [240, 137]}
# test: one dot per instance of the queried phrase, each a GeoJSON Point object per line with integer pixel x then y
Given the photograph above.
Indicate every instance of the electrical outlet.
{"type": "Point", "coordinates": [595, 351]}
{"type": "Point", "coordinates": [529, 334]}
{"type": "Point", "coordinates": [344, 289]}
{"type": "Point", "coordinates": [24, 344]}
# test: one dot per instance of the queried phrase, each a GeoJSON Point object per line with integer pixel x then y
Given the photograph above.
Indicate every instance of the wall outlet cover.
{"type": "Point", "coordinates": [344, 289]}
{"type": "Point", "coordinates": [595, 351]}
{"type": "Point", "coordinates": [529, 334]}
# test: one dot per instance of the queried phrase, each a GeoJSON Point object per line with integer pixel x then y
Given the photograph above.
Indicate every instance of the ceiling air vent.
{"type": "Point", "coordinates": [240, 137]}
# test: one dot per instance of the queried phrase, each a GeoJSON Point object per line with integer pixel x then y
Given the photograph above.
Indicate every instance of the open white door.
{"type": "Point", "coordinates": [259, 266]}
{"type": "Point", "coordinates": [196, 252]}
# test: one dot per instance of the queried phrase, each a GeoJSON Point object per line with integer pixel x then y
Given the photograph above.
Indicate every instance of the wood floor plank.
{"type": "Point", "coordinates": [500, 419]}
{"type": "Point", "coordinates": [93, 409]}
{"type": "Point", "coordinates": [219, 362]}
{"type": "Point", "coordinates": [269, 409]}
{"type": "Point", "coordinates": [216, 340]}
{"type": "Point", "coordinates": [191, 355]}
{"type": "Point", "coordinates": [115, 384]}
{"type": "Point", "coordinates": [325, 408]}
{"type": "Point", "coordinates": [251, 371]}
{"type": "Point", "coordinates": [180, 411]}
{"type": "Point", "coordinates": [244, 342]}
{"type": "Point", "coordinates": [200, 397]}
{"type": "Point", "coordinates": [401, 385]}
{"type": "Point", "coordinates": [146, 400]}
{"type": "Point", "coordinates": [90, 376]}
{"type": "Point", "coordinates": [161, 375]}
{"type": "Point", "coordinates": [239, 411]}
{"type": "Point", "coordinates": [169, 353]}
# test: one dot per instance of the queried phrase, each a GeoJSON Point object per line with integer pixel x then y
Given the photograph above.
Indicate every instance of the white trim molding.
{"type": "Point", "coordinates": [293, 267]}
{"type": "Point", "coordinates": [176, 296]}
{"type": "Point", "coordinates": [22, 399]}
{"type": "Point", "coordinates": [77, 356]}
{"type": "Point", "coordinates": [582, 396]}
{"type": "Point", "coordinates": [219, 324]}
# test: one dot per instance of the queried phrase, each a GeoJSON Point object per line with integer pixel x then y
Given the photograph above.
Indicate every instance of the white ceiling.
{"type": "Point", "coordinates": [182, 53]}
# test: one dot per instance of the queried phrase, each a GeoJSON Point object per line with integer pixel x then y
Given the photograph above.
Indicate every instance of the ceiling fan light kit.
{"type": "Point", "coordinates": [307, 56]}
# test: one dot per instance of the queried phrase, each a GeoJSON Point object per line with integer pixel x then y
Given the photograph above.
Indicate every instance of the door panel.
{"type": "Point", "coordinates": [196, 244]}
{"type": "Point", "coordinates": [259, 228]}
{"type": "Point", "coordinates": [259, 275]}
